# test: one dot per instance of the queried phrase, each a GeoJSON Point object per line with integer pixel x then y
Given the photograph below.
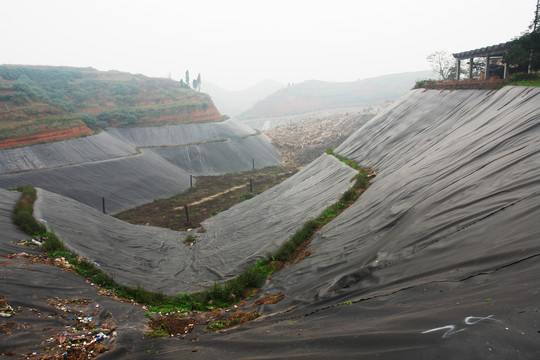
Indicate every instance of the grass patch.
{"type": "Point", "coordinates": [524, 79]}
{"type": "Point", "coordinates": [158, 331]}
{"type": "Point", "coordinates": [351, 163]}
{"type": "Point", "coordinates": [208, 196]}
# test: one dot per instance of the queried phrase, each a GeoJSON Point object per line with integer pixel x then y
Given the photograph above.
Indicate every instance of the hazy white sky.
{"type": "Point", "coordinates": [237, 43]}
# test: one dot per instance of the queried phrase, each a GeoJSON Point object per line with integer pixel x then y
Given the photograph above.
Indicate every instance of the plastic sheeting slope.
{"type": "Point", "coordinates": [108, 165]}
{"type": "Point", "coordinates": [457, 195]}
{"type": "Point", "coordinates": [438, 259]}
{"type": "Point", "coordinates": [158, 259]}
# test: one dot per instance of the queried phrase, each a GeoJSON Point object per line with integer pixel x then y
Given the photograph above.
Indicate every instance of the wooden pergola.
{"type": "Point", "coordinates": [489, 52]}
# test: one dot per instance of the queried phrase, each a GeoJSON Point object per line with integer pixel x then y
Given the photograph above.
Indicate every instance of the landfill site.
{"type": "Point", "coordinates": [438, 259]}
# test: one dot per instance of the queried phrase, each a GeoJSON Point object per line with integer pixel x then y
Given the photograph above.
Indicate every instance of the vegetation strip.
{"type": "Point", "coordinates": [217, 296]}
{"type": "Point", "coordinates": [524, 79]}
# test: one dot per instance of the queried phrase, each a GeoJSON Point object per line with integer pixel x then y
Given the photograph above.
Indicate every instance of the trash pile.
{"type": "Point", "coordinates": [84, 337]}
{"type": "Point", "coordinates": [60, 262]}
{"type": "Point", "coordinates": [303, 141]}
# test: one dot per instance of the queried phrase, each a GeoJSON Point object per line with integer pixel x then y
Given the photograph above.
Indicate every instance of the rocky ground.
{"type": "Point", "coordinates": [303, 141]}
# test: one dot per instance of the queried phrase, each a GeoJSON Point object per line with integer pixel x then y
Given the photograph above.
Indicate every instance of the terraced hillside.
{"type": "Point", "coordinates": [133, 166]}
{"type": "Point", "coordinates": [43, 104]}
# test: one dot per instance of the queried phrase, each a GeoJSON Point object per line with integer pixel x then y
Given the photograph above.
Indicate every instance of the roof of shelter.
{"type": "Point", "coordinates": [494, 50]}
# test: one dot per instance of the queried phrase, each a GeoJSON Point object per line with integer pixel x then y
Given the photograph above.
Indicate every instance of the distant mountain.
{"type": "Point", "coordinates": [233, 103]}
{"type": "Point", "coordinates": [313, 95]}
{"type": "Point", "coordinates": [45, 103]}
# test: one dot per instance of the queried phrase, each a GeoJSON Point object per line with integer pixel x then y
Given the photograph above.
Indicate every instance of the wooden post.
{"type": "Point", "coordinates": [487, 67]}
{"type": "Point", "coordinates": [187, 214]}
{"type": "Point", "coordinates": [471, 61]}
{"type": "Point", "coordinates": [458, 68]}
{"type": "Point", "coordinates": [251, 186]}
{"type": "Point", "coordinates": [253, 162]}
{"type": "Point", "coordinates": [190, 180]}
{"type": "Point", "coordinates": [103, 204]}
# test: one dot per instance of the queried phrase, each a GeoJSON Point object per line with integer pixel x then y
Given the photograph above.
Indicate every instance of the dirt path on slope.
{"type": "Point", "coordinates": [208, 198]}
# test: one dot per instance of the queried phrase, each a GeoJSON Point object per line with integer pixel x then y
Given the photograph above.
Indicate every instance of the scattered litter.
{"type": "Point", "coordinates": [22, 242]}
{"type": "Point", "coordinates": [5, 309]}
{"type": "Point", "coordinates": [82, 338]}
{"type": "Point", "coordinates": [62, 262]}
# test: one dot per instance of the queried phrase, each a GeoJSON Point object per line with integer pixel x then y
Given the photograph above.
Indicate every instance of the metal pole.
{"type": "Point", "coordinates": [190, 180]}
{"type": "Point", "coordinates": [103, 204]}
{"type": "Point", "coordinates": [253, 162]}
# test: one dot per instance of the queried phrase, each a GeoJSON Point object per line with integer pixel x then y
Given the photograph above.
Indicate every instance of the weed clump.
{"type": "Point", "coordinates": [234, 319]}
{"type": "Point", "coordinates": [362, 179]}
{"type": "Point", "coordinates": [23, 212]}
{"type": "Point", "coordinates": [351, 163]}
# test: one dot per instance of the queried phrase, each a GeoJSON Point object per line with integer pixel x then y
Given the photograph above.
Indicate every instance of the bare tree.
{"type": "Point", "coordinates": [443, 64]}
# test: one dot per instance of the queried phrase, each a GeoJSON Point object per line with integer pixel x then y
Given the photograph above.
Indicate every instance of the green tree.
{"type": "Point", "coordinates": [524, 52]}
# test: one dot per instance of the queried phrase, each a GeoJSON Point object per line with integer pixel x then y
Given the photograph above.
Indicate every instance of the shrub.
{"type": "Point", "coordinates": [349, 196]}
{"type": "Point", "coordinates": [524, 76]}
{"type": "Point", "coordinates": [23, 212]}
{"type": "Point", "coordinates": [53, 244]}
{"type": "Point", "coordinates": [26, 221]}
{"type": "Point", "coordinates": [362, 179]}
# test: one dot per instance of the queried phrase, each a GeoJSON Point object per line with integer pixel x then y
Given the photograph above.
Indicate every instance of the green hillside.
{"type": "Point", "coordinates": [39, 103]}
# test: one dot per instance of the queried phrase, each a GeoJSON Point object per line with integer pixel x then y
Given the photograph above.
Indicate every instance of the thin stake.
{"type": "Point", "coordinates": [187, 214]}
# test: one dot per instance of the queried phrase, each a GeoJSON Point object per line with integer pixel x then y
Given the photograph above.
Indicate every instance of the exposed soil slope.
{"type": "Point", "coordinates": [41, 104]}
{"type": "Point", "coordinates": [47, 135]}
